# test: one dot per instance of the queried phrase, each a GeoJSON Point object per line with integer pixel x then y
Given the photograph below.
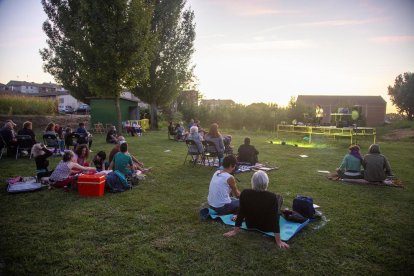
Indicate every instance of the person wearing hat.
{"type": "Point", "coordinates": [9, 137]}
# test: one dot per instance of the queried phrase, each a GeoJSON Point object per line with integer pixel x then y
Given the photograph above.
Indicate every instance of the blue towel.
{"type": "Point", "coordinates": [287, 228]}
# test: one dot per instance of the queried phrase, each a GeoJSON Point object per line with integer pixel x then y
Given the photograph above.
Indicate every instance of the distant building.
{"type": "Point", "coordinates": [64, 98]}
{"type": "Point", "coordinates": [212, 103]}
{"type": "Point", "coordinates": [23, 87]}
{"type": "Point", "coordinates": [3, 87]}
{"type": "Point", "coordinates": [372, 108]}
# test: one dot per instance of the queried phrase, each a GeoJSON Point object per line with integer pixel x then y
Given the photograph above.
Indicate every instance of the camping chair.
{"type": "Point", "coordinates": [51, 141]}
{"type": "Point", "coordinates": [24, 142]}
{"type": "Point", "coordinates": [171, 133]}
{"type": "Point", "coordinates": [99, 128]}
{"type": "Point", "coordinates": [192, 150]}
{"type": "Point", "coordinates": [71, 139]}
{"type": "Point", "coordinates": [3, 146]}
{"type": "Point", "coordinates": [210, 151]}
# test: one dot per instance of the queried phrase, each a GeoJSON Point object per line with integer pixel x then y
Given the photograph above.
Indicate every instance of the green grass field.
{"type": "Point", "coordinates": [155, 228]}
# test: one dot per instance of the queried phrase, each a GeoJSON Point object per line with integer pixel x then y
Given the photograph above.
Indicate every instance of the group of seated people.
{"type": "Point", "coordinates": [53, 136]}
{"type": "Point", "coordinates": [134, 128]}
{"type": "Point", "coordinates": [376, 167]}
{"type": "Point", "coordinates": [259, 208]}
{"type": "Point", "coordinates": [77, 161]}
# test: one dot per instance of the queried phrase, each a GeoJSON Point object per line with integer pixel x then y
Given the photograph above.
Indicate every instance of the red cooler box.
{"type": "Point", "coordinates": [91, 185]}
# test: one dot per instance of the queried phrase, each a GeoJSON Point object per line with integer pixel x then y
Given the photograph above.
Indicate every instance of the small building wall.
{"type": "Point", "coordinates": [104, 111]}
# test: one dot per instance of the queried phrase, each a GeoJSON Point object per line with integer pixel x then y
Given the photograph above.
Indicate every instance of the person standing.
{"type": "Point", "coordinates": [319, 114]}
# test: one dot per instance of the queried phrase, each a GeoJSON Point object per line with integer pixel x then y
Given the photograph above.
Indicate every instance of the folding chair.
{"type": "Point", "coordinates": [192, 150]}
{"type": "Point", "coordinates": [3, 146]}
{"type": "Point", "coordinates": [51, 141]}
{"type": "Point", "coordinates": [210, 151]}
{"type": "Point", "coordinates": [24, 142]}
{"type": "Point", "coordinates": [99, 128]}
{"type": "Point", "coordinates": [71, 139]}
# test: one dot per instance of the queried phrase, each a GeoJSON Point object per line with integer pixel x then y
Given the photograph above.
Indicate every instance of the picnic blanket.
{"type": "Point", "coordinates": [390, 182]}
{"type": "Point", "coordinates": [287, 228]}
{"type": "Point", "coordinates": [22, 184]}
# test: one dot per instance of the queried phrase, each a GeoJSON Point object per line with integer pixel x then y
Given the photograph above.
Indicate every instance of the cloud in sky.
{"type": "Point", "coordinates": [393, 39]}
{"type": "Point", "coordinates": [267, 45]}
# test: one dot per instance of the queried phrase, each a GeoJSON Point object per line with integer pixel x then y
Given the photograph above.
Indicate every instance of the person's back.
{"type": "Point", "coordinates": [376, 166]}
{"type": "Point", "coordinates": [247, 153]}
{"type": "Point", "coordinates": [260, 209]}
{"type": "Point", "coordinates": [122, 160]}
{"type": "Point", "coordinates": [219, 190]}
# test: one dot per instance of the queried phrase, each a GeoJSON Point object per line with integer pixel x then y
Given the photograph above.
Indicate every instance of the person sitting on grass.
{"type": "Point", "coordinates": [99, 161]}
{"type": "Point", "coordinates": [138, 165]}
{"type": "Point", "coordinates": [40, 154]}
{"type": "Point", "coordinates": [122, 161]}
{"type": "Point", "coordinates": [376, 166]}
{"type": "Point", "coordinates": [350, 167]}
{"type": "Point", "coordinates": [82, 154]}
{"type": "Point", "coordinates": [222, 186]}
{"type": "Point", "coordinates": [112, 136]}
{"type": "Point", "coordinates": [61, 176]}
{"type": "Point", "coordinates": [260, 209]}
{"type": "Point", "coordinates": [247, 153]}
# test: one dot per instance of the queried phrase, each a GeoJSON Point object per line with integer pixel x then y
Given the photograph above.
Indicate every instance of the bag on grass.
{"type": "Point", "coordinates": [304, 206]}
{"type": "Point", "coordinates": [117, 182]}
{"type": "Point", "coordinates": [293, 216]}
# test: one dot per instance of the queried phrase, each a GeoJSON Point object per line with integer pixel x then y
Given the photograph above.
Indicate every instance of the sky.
{"type": "Point", "coordinates": [260, 50]}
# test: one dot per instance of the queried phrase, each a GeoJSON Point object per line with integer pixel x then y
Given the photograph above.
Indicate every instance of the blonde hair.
{"type": "Point", "coordinates": [37, 150]}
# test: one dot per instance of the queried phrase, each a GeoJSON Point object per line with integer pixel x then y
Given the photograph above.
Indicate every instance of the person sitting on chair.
{"type": "Point", "coordinates": [9, 137]}
{"type": "Point", "coordinates": [171, 130]}
{"type": "Point", "coordinates": [376, 166]}
{"type": "Point", "coordinates": [85, 136]}
{"type": "Point", "coordinates": [350, 167]}
{"type": "Point", "coordinates": [112, 136]}
{"type": "Point", "coordinates": [27, 130]}
{"type": "Point", "coordinates": [247, 153]}
{"type": "Point", "coordinates": [136, 128]}
{"type": "Point", "coordinates": [260, 209]}
{"type": "Point", "coordinates": [222, 186]}
{"type": "Point", "coordinates": [214, 136]}
{"type": "Point", "coordinates": [51, 130]}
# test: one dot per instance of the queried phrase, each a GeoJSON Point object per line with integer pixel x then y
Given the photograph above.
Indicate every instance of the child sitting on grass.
{"type": "Point", "coordinates": [99, 161]}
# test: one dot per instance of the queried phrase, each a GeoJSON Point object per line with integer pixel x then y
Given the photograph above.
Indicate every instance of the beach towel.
{"type": "Point", "coordinates": [22, 185]}
{"type": "Point", "coordinates": [288, 229]}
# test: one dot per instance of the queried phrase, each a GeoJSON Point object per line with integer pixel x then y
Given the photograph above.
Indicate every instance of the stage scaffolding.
{"type": "Point", "coordinates": [328, 131]}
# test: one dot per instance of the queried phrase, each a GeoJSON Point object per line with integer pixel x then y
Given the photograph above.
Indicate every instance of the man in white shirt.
{"type": "Point", "coordinates": [222, 187]}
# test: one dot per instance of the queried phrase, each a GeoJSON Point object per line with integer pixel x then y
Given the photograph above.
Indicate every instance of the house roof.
{"type": "Point", "coordinates": [21, 83]}
{"type": "Point", "coordinates": [337, 100]}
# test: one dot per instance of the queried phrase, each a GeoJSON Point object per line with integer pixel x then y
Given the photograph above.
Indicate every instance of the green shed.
{"type": "Point", "coordinates": [103, 110]}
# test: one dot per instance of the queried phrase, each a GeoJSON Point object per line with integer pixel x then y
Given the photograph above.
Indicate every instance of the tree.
{"type": "Point", "coordinates": [97, 47]}
{"type": "Point", "coordinates": [170, 69]}
{"type": "Point", "coordinates": [402, 94]}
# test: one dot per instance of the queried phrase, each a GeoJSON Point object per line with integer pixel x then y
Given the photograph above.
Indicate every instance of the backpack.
{"type": "Point", "coordinates": [304, 206]}
{"type": "Point", "coordinates": [117, 182]}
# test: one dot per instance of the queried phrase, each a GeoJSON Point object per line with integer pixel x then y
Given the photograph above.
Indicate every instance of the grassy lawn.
{"type": "Point", "coordinates": [155, 228]}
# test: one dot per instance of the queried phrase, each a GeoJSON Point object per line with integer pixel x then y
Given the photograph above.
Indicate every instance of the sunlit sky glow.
{"type": "Point", "coordinates": [260, 50]}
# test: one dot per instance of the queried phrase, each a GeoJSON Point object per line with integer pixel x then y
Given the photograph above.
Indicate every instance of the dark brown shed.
{"type": "Point", "coordinates": [372, 108]}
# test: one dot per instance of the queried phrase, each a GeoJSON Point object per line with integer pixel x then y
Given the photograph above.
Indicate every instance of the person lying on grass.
{"type": "Point", "coordinates": [351, 164]}
{"type": "Point", "coordinates": [222, 186]}
{"type": "Point", "coordinates": [61, 176]}
{"type": "Point", "coordinates": [259, 208]}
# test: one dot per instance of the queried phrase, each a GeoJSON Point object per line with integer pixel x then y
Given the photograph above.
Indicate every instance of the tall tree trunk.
{"type": "Point", "coordinates": [154, 116]}
{"type": "Point", "coordinates": [118, 113]}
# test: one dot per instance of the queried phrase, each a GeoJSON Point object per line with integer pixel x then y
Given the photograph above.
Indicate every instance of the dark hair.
{"type": "Point", "coordinates": [229, 160]}
{"type": "Point", "coordinates": [102, 155]}
{"type": "Point", "coordinates": [123, 147]}
{"type": "Point", "coordinates": [79, 149]}
{"type": "Point", "coordinates": [50, 127]}
{"type": "Point", "coordinates": [81, 124]}
{"type": "Point", "coordinates": [27, 124]}
{"type": "Point", "coordinates": [247, 141]}
{"type": "Point", "coordinates": [67, 156]}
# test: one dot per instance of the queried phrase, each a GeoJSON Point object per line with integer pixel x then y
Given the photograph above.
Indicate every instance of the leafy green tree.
{"type": "Point", "coordinates": [402, 94]}
{"type": "Point", "coordinates": [97, 48]}
{"type": "Point", "coordinates": [170, 69]}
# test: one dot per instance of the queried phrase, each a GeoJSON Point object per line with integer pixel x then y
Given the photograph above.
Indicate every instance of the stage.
{"type": "Point", "coordinates": [328, 131]}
